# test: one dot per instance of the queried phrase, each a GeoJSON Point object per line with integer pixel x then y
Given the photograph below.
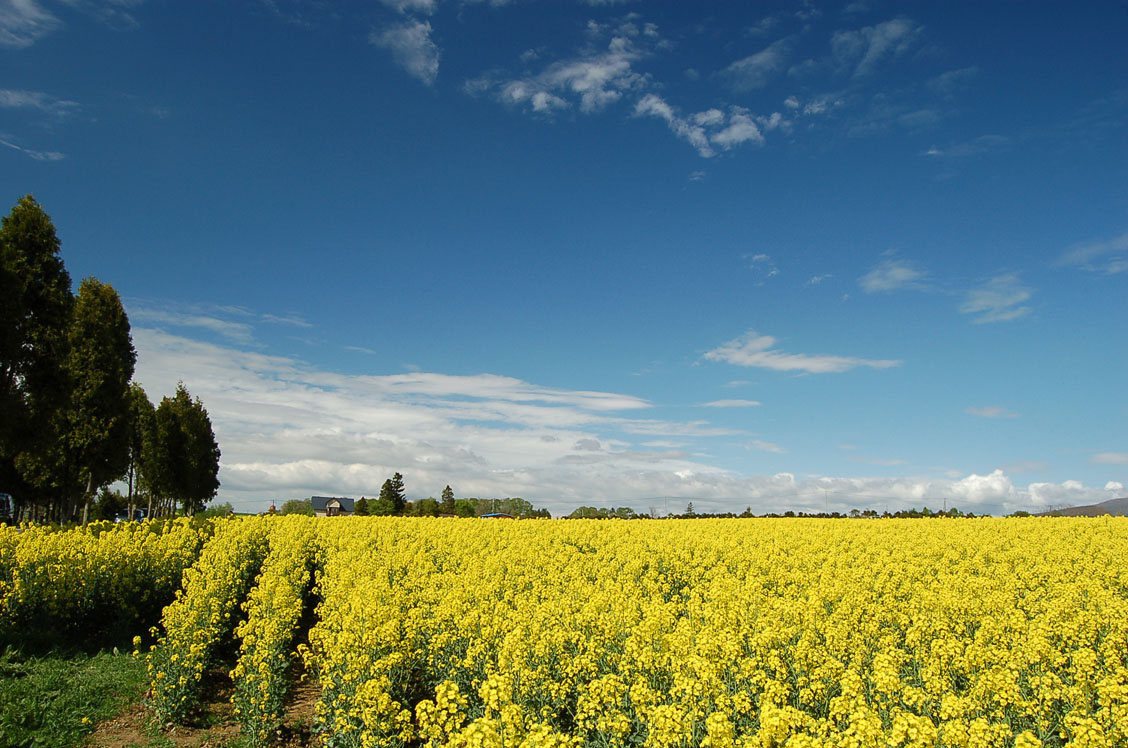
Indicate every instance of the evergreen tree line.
{"type": "Point", "coordinates": [392, 502]}
{"type": "Point", "coordinates": [72, 421]}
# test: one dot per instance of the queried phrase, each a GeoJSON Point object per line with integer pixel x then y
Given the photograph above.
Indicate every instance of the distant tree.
{"type": "Point", "coordinates": [391, 500]}
{"type": "Point", "coordinates": [427, 507]}
{"type": "Point", "coordinates": [184, 459]}
{"type": "Point", "coordinates": [689, 510]}
{"type": "Point", "coordinates": [518, 507]}
{"type": "Point", "coordinates": [464, 508]}
{"type": "Point", "coordinates": [446, 502]}
{"type": "Point", "coordinates": [298, 506]}
{"type": "Point", "coordinates": [109, 505]}
{"type": "Point", "coordinates": [219, 509]}
{"type": "Point", "coordinates": [385, 504]}
{"type": "Point", "coordinates": [399, 496]}
{"type": "Point", "coordinates": [360, 508]}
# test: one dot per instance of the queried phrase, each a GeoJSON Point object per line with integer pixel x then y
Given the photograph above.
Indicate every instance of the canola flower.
{"type": "Point", "coordinates": [101, 579]}
{"type": "Point", "coordinates": [273, 610]}
{"type": "Point", "coordinates": [988, 633]}
{"type": "Point", "coordinates": [722, 633]}
{"type": "Point", "coordinates": [204, 615]}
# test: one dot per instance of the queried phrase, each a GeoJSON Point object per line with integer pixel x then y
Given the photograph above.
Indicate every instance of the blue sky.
{"type": "Point", "coordinates": [779, 255]}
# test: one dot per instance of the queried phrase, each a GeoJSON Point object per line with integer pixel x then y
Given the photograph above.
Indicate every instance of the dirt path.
{"type": "Point", "coordinates": [215, 727]}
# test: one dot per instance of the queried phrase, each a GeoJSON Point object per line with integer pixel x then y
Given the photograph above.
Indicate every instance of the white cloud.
{"type": "Point", "coordinates": [755, 71]}
{"type": "Point", "coordinates": [290, 430]}
{"type": "Point", "coordinates": [416, 6]}
{"type": "Point", "coordinates": [763, 446]}
{"type": "Point", "coordinates": [982, 144]}
{"type": "Point", "coordinates": [1114, 486]}
{"type": "Point", "coordinates": [23, 22]}
{"type": "Point", "coordinates": [991, 411]}
{"type": "Point", "coordinates": [1108, 256]}
{"type": "Point", "coordinates": [37, 155]}
{"type": "Point", "coordinates": [863, 50]}
{"type": "Point", "coordinates": [16, 99]}
{"type": "Point", "coordinates": [705, 131]}
{"type": "Point", "coordinates": [236, 332]}
{"type": "Point", "coordinates": [731, 404]}
{"type": "Point", "coordinates": [1000, 299]}
{"type": "Point", "coordinates": [753, 349]}
{"type": "Point", "coordinates": [740, 129]}
{"type": "Point", "coordinates": [893, 275]}
{"type": "Point", "coordinates": [412, 48]}
{"type": "Point", "coordinates": [594, 79]}
{"type": "Point", "coordinates": [1110, 458]}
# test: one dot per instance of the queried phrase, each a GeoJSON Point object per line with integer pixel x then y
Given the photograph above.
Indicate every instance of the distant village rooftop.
{"type": "Point", "coordinates": [332, 506]}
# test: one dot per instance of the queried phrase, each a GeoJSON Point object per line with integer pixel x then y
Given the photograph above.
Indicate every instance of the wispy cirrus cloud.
{"type": "Point", "coordinates": [753, 349]}
{"type": "Point", "coordinates": [861, 51]}
{"type": "Point", "coordinates": [1108, 256]}
{"type": "Point", "coordinates": [893, 275]}
{"type": "Point", "coordinates": [981, 145]}
{"type": "Point", "coordinates": [37, 101]}
{"type": "Point", "coordinates": [1110, 458]}
{"type": "Point", "coordinates": [990, 411]}
{"type": "Point", "coordinates": [30, 153]}
{"type": "Point", "coordinates": [411, 47]}
{"type": "Point", "coordinates": [731, 404]}
{"type": "Point", "coordinates": [755, 71]}
{"type": "Point", "coordinates": [1000, 299]}
{"type": "Point", "coordinates": [762, 446]}
{"type": "Point", "coordinates": [23, 22]}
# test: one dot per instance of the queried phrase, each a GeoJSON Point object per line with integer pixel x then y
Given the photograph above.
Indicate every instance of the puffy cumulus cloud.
{"type": "Point", "coordinates": [1046, 496]}
{"type": "Point", "coordinates": [706, 131]}
{"type": "Point", "coordinates": [863, 50]}
{"type": "Point", "coordinates": [411, 47]}
{"type": "Point", "coordinates": [893, 275]}
{"type": "Point", "coordinates": [1000, 299]}
{"type": "Point", "coordinates": [592, 80]}
{"type": "Point", "coordinates": [753, 349]}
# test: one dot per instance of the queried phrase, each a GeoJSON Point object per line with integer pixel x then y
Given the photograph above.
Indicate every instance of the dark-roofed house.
{"type": "Point", "coordinates": [331, 506]}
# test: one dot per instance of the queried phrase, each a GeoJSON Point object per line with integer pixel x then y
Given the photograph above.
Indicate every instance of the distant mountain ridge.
{"type": "Point", "coordinates": [1114, 507]}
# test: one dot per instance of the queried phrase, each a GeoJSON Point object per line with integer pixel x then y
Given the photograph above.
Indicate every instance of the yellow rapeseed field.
{"type": "Point", "coordinates": [758, 633]}
{"type": "Point", "coordinates": [724, 633]}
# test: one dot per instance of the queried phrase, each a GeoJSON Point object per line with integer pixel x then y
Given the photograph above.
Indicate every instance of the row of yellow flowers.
{"type": "Point", "coordinates": [274, 610]}
{"type": "Point", "coordinates": [101, 580]}
{"type": "Point", "coordinates": [724, 633]}
{"type": "Point", "coordinates": [201, 621]}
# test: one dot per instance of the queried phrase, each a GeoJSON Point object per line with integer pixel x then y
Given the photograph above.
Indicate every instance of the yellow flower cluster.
{"type": "Point", "coordinates": [725, 633]}
{"type": "Point", "coordinates": [273, 614]}
{"type": "Point", "coordinates": [101, 580]}
{"type": "Point", "coordinates": [204, 614]}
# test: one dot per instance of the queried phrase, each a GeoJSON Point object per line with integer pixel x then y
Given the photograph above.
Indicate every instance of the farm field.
{"type": "Point", "coordinates": [717, 633]}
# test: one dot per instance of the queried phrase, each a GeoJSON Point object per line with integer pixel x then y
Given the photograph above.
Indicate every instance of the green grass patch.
{"type": "Point", "coordinates": [57, 699]}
